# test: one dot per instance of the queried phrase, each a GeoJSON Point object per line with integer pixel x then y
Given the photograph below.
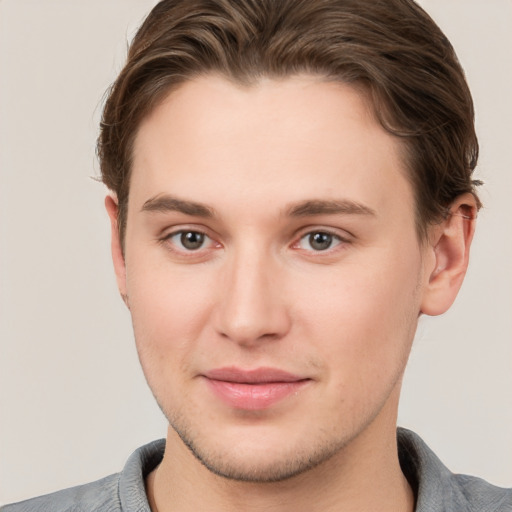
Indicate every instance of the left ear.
{"type": "Point", "coordinates": [449, 244]}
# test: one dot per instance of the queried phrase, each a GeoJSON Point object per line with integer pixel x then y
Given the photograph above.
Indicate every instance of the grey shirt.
{"type": "Point", "coordinates": [436, 488]}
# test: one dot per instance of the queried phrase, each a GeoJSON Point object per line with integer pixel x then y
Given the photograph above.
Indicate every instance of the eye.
{"type": "Point", "coordinates": [189, 240]}
{"type": "Point", "coordinates": [319, 241]}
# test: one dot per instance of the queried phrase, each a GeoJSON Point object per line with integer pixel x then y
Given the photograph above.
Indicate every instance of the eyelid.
{"type": "Point", "coordinates": [169, 233]}
{"type": "Point", "coordinates": [344, 237]}
{"type": "Point", "coordinates": [342, 234]}
{"type": "Point", "coordinates": [184, 228]}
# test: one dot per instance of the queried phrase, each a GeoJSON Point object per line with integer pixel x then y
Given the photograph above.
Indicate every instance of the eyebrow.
{"type": "Point", "coordinates": [166, 203]}
{"type": "Point", "coordinates": [311, 207]}
{"type": "Point", "coordinates": [328, 207]}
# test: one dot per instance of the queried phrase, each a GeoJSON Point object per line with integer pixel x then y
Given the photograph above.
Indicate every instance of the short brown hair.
{"type": "Point", "coordinates": [391, 47]}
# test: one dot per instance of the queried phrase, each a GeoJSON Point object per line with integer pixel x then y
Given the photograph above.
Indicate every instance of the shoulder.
{"type": "Point", "coordinates": [438, 489]}
{"type": "Point", "coordinates": [481, 495]}
{"type": "Point", "coordinates": [102, 495]}
{"type": "Point", "coordinates": [123, 491]}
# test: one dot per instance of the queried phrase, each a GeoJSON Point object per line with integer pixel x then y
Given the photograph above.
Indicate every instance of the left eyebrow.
{"type": "Point", "coordinates": [328, 207]}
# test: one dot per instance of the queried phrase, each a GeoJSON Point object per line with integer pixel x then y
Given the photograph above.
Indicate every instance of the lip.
{"type": "Point", "coordinates": [253, 389]}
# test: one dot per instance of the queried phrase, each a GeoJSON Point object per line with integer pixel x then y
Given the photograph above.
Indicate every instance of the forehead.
{"type": "Point", "coordinates": [277, 140]}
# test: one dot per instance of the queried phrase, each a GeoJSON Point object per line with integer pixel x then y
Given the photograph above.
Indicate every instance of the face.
{"type": "Point", "coordinates": [272, 270]}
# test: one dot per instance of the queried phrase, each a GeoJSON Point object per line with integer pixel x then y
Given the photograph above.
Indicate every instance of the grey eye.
{"type": "Point", "coordinates": [188, 241]}
{"type": "Point", "coordinates": [191, 240]}
{"type": "Point", "coordinates": [320, 241]}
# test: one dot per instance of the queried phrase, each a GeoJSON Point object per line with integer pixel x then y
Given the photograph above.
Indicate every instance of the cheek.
{"type": "Point", "coordinates": [362, 329]}
{"type": "Point", "coordinates": [169, 310]}
{"type": "Point", "coordinates": [364, 314]}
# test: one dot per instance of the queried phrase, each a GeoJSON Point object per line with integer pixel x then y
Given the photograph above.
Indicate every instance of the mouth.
{"type": "Point", "coordinates": [255, 389]}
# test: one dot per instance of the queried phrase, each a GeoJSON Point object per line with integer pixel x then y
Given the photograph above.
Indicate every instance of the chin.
{"type": "Point", "coordinates": [258, 458]}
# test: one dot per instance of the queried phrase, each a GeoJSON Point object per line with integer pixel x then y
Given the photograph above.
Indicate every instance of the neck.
{"type": "Point", "coordinates": [365, 475]}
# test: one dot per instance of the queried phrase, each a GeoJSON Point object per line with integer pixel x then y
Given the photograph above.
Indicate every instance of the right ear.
{"type": "Point", "coordinates": [111, 204]}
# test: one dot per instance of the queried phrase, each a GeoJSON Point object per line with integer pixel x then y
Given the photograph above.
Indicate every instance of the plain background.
{"type": "Point", "coordinates": [73, 401]}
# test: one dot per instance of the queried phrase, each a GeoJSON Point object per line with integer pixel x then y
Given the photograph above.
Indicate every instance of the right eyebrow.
{"type": "Point", "coordinates": [166, 203]}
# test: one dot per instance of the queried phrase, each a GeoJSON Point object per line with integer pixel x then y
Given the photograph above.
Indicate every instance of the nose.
{"type": "Point", "coordinates": [252, 306]}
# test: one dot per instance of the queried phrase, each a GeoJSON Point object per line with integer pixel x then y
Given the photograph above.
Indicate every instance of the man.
{"type": "Point", "coordinates": [291, 189]}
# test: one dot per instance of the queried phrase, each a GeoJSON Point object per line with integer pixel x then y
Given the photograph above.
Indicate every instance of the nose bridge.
{"type": "Point", "coordinates": [252, 306]}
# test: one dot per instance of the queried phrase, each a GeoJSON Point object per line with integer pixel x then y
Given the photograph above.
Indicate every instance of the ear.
{"type": "Point", "coordinates": [449, 244]}
{"type": "Point", "coordinates": [111, 204]}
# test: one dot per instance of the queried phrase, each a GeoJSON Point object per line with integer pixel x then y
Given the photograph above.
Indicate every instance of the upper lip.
{"type": "Point", "coordinates": [260, 375]}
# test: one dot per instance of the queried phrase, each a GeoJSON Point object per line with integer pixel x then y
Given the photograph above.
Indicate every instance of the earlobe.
{"type": "Point", "coordinates": [111, 205]}
{"type": "Point", "coordinates": [449, 243]}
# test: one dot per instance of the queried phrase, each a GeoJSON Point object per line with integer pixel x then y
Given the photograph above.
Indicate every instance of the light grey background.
{"type": "Point", "coordinates": [73, 402]}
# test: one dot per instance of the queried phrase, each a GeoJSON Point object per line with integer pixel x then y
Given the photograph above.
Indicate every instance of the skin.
{"type": "Point", "coordinates": [265, 161]}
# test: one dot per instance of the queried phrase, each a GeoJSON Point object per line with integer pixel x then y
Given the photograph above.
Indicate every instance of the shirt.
{"type": "Point", "coordinates": [436, 488]}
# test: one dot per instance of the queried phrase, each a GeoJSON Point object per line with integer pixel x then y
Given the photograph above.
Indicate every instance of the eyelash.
{"type": "Point", "coordinates": [167, 239]}
{"type": "Point", "coordinates": [335, 239]}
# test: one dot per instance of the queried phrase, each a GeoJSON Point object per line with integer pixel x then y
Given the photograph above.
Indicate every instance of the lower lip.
{"type": "Point", "coordinates": [254, 396]}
